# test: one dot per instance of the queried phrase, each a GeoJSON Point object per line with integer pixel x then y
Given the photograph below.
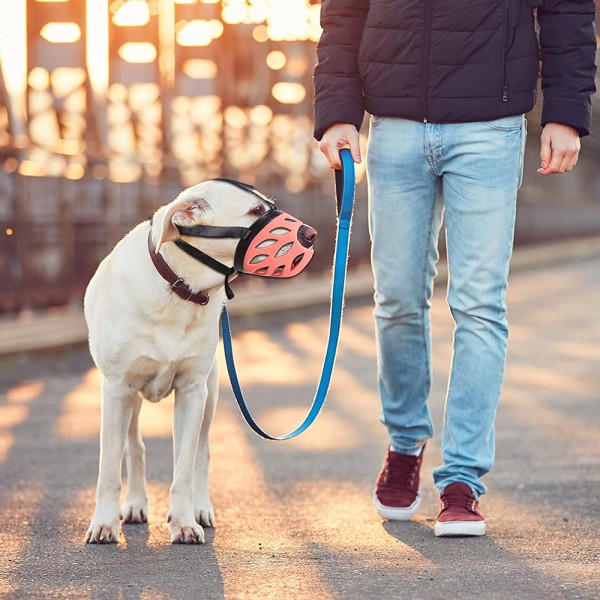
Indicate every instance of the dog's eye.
{"type": "Point", "coordinates": [257, 211]}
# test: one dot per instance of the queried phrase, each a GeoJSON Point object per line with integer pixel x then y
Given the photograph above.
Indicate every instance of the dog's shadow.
{"type": "Point", "coordinates": [136, 535]}
{"type": "Point", "coordinates": [183, 567]}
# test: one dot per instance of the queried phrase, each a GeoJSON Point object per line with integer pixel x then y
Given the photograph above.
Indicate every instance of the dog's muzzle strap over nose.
{"type": "Point", "coordinates": [209, 261]}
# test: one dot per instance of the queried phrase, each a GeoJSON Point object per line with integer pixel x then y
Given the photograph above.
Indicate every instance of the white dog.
{"type": "Point", "coordinates": [147, 342]}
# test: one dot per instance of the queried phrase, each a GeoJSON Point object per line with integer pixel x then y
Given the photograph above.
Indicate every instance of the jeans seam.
{"type": "Point", "coordinates": [522, 154]}
{"type": "Point", "coordinates": [423, 299]}
{"type": "Point", "coordinates": [429, 157]}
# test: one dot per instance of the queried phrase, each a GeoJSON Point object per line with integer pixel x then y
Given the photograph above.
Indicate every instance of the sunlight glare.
{"type": "Point", "coordinates": [234, 14]}
{"type": "Point", "coordinates": [61, 33]}
{"type": "Point", "coordinates": [260, 33]}
{"type": "Point", "coordinates": [289, 93]}
{"type": "Point", "coordinates": [200, 68]}
{"type": "Point", "coordinates": [138, 52]}
{"type": "Point", "coordinates": [261, 115]}
{"type": "Point", "coordinates": [97, 45]}
{"type": "Point", "coordinates": [276, 60]}
{"type": "Point", "coordinates": [195, 33]}
{"type": "Point", "coordinates": [39, 79]}
{"type": "Point", "coordinates": [13, 45]}
{"type": "Point", "coordinates": [134, 13]}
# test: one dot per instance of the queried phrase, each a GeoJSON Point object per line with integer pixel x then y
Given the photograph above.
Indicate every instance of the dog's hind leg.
{"type": "Point", "coordinates": [203, 510]}
{"type": "Point", "coordinates": [117, 408]}
{"type": "Point", "coordinates": [135, 509]}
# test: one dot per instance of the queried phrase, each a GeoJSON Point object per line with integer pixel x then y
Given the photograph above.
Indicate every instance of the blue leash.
{"type": "Point", "coordinates": [344, 189]}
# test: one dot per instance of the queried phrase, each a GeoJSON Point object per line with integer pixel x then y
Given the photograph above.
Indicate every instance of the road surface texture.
{"type": "Point", "coordinates": [294, 519]}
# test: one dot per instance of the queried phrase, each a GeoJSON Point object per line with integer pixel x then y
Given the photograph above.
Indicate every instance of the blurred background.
{"type": "Point", "coordinates": [109, 107]}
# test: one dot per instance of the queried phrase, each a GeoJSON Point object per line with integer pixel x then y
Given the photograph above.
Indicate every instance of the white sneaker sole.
{"type": "Point", "coordinates": [396, 513]}
{"type": "Point", "coordinates": [459, 528]}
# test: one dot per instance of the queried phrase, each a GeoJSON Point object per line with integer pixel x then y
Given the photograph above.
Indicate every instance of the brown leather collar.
{"type": "Point", "coordinates": [176, 283]}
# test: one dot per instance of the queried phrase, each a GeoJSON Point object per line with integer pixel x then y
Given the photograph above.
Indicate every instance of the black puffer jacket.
{"type": "Point", "coordinates": [453, 61]}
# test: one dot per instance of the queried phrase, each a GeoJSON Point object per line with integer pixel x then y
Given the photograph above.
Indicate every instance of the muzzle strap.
{"type": "Point", "coordinates": [214, 231]}
{"type": "Point", "coordinates": [209, 261]}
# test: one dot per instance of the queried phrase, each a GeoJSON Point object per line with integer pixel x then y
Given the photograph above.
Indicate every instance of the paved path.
{"type": "Point", "coordinates": [294, 520]}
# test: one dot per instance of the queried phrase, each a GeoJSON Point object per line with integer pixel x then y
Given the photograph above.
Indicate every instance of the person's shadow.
{"type": "Point", "coordinates": [472, 567]}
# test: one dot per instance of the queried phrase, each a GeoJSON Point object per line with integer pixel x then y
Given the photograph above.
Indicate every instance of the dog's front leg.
{"type": "Point", "coordinates": [117, 407]}
{"type": "Point", "coordinates": [190, 403]}
{"type": "Point", "coordinates": [203, 510]}
{"type": "Point", "coordinates": [135, 509]}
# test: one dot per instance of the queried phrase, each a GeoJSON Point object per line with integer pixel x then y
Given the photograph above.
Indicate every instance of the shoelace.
{"type": "Point", "coordinates": [401, 470]}
{"type": "Point", "coordinates": [458, 498]}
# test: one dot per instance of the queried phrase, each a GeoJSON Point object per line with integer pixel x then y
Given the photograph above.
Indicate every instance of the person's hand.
{"type": "Point", "coordinates": [560, 149]}
{"type": "Point", "coordinates": [339, 135]}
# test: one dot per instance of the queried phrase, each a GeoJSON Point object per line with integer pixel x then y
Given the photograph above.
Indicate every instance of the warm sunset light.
{"type": "Point", "coordinates": [39, 78]}
{"type": "Point", "coordinates": [234, 13]}
{"type": "Point", "coordinates": [276, 60]}
{"type": "Point", "coordinates": [200, 68]}
{"type": "Point", "coordinates": [109, 97]}
{"type": "Point", "coordinates": [260, 33]}
{"type": "Point", "coordinates": [138, 52]}
{"type": "Point", "coordinates": [32, 168]}
{"type": "Point", "coordinates": [261, 115]}
{"type": "Point", "coordinates": [74, 172]}
{"type": "Point", "coordinates": [289, 93]}
{"type": "Point", "coordinates": [133, 13]}
{"type": "Point", "coordinates": [199, 32]}
{"type": "Point", "coordinates": [61, 33]}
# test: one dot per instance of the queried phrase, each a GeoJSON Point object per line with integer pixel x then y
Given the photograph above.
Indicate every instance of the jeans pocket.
{"type": "Point", "coordinates": [513, 123]}
{"type": "Point", "coordinates": [376, 120]}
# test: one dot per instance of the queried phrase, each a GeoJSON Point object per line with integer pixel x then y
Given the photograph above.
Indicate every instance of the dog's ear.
{"type": "Point", "coordinates": [182, 211]}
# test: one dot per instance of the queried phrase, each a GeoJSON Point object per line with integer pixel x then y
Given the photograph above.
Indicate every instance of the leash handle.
{"type": "Point", "coordinates": [344, 190]}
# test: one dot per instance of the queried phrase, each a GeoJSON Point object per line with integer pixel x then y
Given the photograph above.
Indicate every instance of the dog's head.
{"type": "Point", "coordinates": [208, 203]}
{"type": "Point", "coordinates": [236, 224]}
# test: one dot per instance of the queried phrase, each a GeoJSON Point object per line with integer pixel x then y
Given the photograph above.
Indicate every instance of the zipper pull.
{"type": "Point", "coordinates": [505, 94]}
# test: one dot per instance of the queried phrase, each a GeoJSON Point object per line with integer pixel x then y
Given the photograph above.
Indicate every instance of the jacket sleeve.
{"type": "Point", "coordinates": [568, 52]}
{"type": "Point", "coordinates": [338, 92]}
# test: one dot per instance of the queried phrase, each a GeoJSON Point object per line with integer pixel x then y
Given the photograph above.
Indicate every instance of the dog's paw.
{"type": "Point", "coordinates": [135, 510]}
{"type": "Point", "coordinates": [204, 514]}
{"type": "Point", "coordinates": [99, 533]}
{"type": "Point", "coordinates": [186, 534]}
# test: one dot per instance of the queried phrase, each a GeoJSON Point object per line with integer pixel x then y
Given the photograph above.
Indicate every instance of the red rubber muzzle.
{"type": "Point", "coordinates": [278, 245]}
{"type": "Point", "coordinates": [275, 245]}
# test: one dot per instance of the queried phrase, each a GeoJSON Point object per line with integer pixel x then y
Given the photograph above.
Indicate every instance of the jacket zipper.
{"type": "Point", "coordinates": [425, 71]}
{"type": "Point", "coordinates": [505, 31]}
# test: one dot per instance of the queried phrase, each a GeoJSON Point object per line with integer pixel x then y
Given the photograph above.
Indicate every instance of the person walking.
{"type": "Point", "coordinates": [447, 83]}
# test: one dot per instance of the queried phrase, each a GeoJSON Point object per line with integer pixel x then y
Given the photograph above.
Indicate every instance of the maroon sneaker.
{"type": "Point", "coordinates": [396, 495]}
{"type": "Point", "coordinates": [459, 515]}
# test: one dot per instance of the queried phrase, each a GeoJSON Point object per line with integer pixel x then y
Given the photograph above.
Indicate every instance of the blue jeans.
{"type": "Point", "coordinates": [416, 171]}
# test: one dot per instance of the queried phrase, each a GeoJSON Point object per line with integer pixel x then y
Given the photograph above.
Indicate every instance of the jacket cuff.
{"type": "Point", "coordinates": [344, 111]}
{"type": "Point", "coordinates": [575, 112]}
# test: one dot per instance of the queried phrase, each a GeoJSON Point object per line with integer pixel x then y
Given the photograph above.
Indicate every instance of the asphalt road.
{"type": "Point", "coordinates": [294, 519]}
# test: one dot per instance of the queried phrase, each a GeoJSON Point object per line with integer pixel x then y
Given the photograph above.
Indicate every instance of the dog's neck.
{"type": "Point", "coordinates": [189, 279]}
